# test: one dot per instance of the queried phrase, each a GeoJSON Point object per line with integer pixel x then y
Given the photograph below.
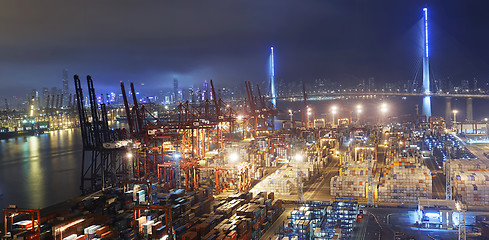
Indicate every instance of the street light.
{"type": "Point", "coordinates": [130, 163]}
{"type": "Point", "coordinates": [233, 157]}
{"type": "Point", "coordinates": [298, 157]}
{"type": "Point", "coordinates": [291, 115]}
{"type": "Point", "coordinates": [359, 110]}
{"type": "Point", "coordinates": [383, 109]}
{"type": "Point", "coordinates": [333, 112]}
{"type": "Point", "coordinates": [309, 113]}
{"type": "Point", "coordinates": [455, 111]}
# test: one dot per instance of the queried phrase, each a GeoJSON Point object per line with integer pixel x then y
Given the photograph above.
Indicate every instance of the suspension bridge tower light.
{"type": "Point", "coordinates": [272, 79]}
{"type": "Point", "coordinates": [426, 68]}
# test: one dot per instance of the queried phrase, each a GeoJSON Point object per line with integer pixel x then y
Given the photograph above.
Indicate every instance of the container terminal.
{"type": "Point", "coordinates": [230, 170]}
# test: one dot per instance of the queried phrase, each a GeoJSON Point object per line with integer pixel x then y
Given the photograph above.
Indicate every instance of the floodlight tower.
{"type": "Point", "coordinates": [426, 69]}
{"type": "Point", "coordinates": [272, 79]}
{"type": "Point", "coordinates": [448, 175]}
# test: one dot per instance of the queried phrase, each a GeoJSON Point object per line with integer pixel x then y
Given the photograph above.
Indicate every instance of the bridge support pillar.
{"type": "Point", "coordinates": [470, 113]}
{"type": "Point", "coordinates": [448, 111]}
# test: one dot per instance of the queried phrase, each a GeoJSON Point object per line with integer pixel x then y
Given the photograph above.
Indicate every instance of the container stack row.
{"type": "Point", "coordinates": [471, 187]}
{"type": "Point", "coordinates": [405, 182]}
{"type": "Point", "coordinates": [349, 186]}
{"type": "Point", "coordinates": [284, 180]}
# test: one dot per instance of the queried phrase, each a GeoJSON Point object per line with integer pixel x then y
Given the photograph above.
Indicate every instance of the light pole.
{"type": "Point", "coordinates": [333, 112]}
{"type": "Point", "coordinates": [290, 115]}
{"type": "Point", "coordinates": [383, 110]}
{"type": "Point", "coordinates": [309, 112]}
{"type": "Point", "coordinates": [455, 111]}
{"type": "Point", "coordinates": [300, 190]}
{"type": "Point", "coordinates": [130, 168]}
{"type": "Point", "coordinates": [359, 110]}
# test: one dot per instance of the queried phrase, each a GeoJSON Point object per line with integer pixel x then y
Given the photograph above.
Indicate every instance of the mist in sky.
{"type": "Point", "coordinates": [153, 42]}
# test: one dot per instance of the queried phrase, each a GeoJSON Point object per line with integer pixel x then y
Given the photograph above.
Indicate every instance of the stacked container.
{"type": "Point", "coordinates": [284, 180]}
{"type": "Point", "coordinates": [468, 164]}
{"type": "Point", "coordinates": [349, 186]}
{"type": "Point", "coordinates": [405, 182]}
{"type": "Point", "coordinates": [472, 187]}
{"type": "Point", "coordinates": [353, 178]}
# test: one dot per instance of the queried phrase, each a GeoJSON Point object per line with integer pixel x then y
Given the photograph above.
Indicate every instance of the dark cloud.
{"type": "Point", "coordinates": [153, 41]}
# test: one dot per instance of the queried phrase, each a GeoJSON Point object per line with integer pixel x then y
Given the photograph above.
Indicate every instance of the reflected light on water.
{"type": "Point", "coordinates": [39, 171]}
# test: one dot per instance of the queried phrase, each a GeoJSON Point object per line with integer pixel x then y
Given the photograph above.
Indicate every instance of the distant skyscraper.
{"type": "Point", "coordinates": [66, 91]}
{"type": "Point", "coordinates": [205, 91]}
{"type": "Point", "coordinates": [45, 94]}
{"type": "Point", "coordinates": [175, 90]}
{"type": "Point", "coordinates": [371, 83]}
{"type": "Point", "coordinates": [33, 98]}
{"type": "Point", "coordinates": [465, 85]}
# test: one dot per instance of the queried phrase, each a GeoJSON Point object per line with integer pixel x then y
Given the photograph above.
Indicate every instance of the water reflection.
{"type": "Point", "coordinates": [39, 171]}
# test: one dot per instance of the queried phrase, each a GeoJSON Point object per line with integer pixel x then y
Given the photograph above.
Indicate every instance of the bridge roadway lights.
{"type": "Point", "coordinates": [470, 113]}
{"type": "Point", "coordinates": [448, 111]}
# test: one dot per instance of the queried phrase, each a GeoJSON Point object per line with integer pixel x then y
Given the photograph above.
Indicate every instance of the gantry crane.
{"type": "Point", "coordinates": [10, 213]}
{"type": "Point", "coordinates": [191, 128]}
{"type": "Point", "coordinates": [106, 165]}
{"type": "Point", "coordinates": [168, 215]}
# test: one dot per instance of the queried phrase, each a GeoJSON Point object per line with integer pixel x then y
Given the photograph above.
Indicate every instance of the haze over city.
{"type": "Point", "coordinates": [228, 41]}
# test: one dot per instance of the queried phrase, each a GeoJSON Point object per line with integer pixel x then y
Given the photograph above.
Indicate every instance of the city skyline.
{"type": "Point", "coordinates": [343, 42]}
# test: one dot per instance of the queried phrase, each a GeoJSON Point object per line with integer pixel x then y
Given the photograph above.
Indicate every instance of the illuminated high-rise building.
{"type": "Point", "coordinates": [175, 90]}
{"type": "Point", "coordinates": [65, 91]}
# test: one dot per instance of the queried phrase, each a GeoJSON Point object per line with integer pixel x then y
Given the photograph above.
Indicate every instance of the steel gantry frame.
{"type": "Point", "coordinates": [190, 128]}
{"type": "Point", "coordinates": [106, 165]}
{"type": "Point", "coordinates": [10, 213]}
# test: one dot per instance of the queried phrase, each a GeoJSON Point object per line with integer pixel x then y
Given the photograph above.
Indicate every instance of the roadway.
{"type": "Point", "coordinates": [438, 178]}
{"type": "Point", "coordinates": [360, 229]}
{"type": "Point", "coordinates": [343, 93]}
{"type": "Point", "coordinates": [319, 188]}
{"type": "Point", "coordinates": [279, 222]}
{"type": "Point", "coordinates": [478, 150]}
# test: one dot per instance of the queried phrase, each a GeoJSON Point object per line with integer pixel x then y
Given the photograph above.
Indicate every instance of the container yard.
{"type": "Point", "coordinates": [321, 220]}
{"type": "Point", "coordinates": [219, 171]}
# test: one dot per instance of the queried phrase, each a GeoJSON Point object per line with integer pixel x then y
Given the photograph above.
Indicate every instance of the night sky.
{"type": "Point", "coordinates": [152, 42]}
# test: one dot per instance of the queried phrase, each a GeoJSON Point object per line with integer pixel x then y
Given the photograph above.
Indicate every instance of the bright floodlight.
{"type": "Point", "coordinates": [383, 107]}
{"type": "Point", "coordinates": [333, 109]}
{"type": "Point", "coordinates": [239, 118]}
{"type": "Point", "coordinates": [129, 155]}
{"type": "Point", "coordinates": [298, 157]}
{"type": "Point", "coordinates": [455, 111]}
{"type": "Point", "coordinates": [176, 156]}
{"type": "Point", "coordinates": [233, 157]}
{"type": "Point", "coordinates": [359, 108]}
